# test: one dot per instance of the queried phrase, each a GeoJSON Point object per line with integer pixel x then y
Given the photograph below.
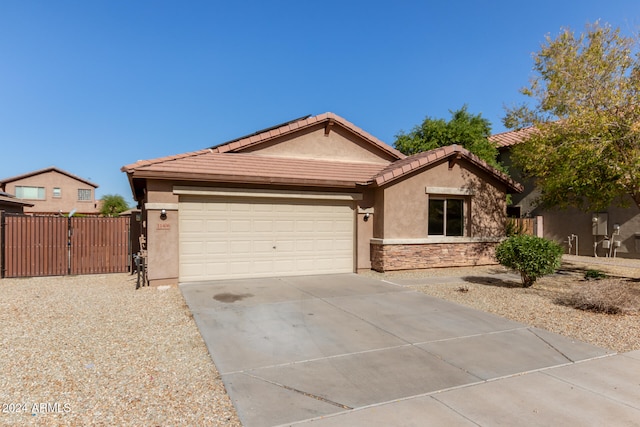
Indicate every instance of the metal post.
{"type": "Point", "coordinates": [69, 246]}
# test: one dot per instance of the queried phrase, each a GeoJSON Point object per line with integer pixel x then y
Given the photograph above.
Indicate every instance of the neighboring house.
{"type": "Point", "coordinates": [10, 204]}
{"type": "Point", "coordinates": [52, 191]}
{"type": "Point", "coordinates": [312, 196]}
{"type": "Point", "coordinates": [614, 231]}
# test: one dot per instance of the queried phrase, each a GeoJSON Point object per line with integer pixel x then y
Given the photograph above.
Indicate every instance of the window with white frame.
{"type": "Point", "coordinates": [84, 194]}
{"type": "Point", "coordinates": [446, 216]}
{"type": "Point", "coordinates": [57, 192]}
{"type": "Point", "coordinates": [31, 193]}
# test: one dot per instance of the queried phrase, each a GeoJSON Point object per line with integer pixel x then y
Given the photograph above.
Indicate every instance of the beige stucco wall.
{"type": "Point", "coordinates": [162, 235]}
{"type": "Point", "coordinates": [364, 229]}
{"type": "Point", "coordinates": [69, 194]}
{"type": "Point", "coordinates": [559, 224]}
{"type": "Point", "coordinates": [402, 211]}
{"type": "Point", "coordinates": [338, 145]}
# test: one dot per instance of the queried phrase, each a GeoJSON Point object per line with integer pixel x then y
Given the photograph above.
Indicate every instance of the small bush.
{"type": "Point", "coordinates": [533, 257]}
{"type": "Point", "coordinates": [610, 296]}
{"type": "Point", "coordinates": [594, 274]}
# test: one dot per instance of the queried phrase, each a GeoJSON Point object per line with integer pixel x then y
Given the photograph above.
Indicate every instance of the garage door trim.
{"type": "Point", "coordinates": [263, 193]}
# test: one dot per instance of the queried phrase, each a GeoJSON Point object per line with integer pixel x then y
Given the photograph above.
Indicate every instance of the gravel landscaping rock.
{"type": "Point", "coordinates": [91, 350]}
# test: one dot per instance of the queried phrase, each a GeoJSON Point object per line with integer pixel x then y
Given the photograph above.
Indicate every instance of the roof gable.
{"type": "Point", "coordinates": [43, 171]}
{"type": "Point", "coordinates": [328, 122]}
{"type": "Point", "coordinates": [417, 162]}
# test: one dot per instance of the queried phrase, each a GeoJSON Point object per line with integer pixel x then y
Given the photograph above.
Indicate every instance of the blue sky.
{"type": "Point", "coordinates": [91, 85]}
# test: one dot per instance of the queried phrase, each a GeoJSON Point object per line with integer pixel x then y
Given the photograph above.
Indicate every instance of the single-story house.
{"type": "Point", "coordinates": [53, 191]}
{"type": "Point", "coordinates": [311, 196]}
{"type": "Point", "coordinates": [614, 231]}
{"type": "Point", "coordinates": [11, 204]}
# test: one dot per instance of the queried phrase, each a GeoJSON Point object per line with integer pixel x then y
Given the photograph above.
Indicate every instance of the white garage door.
{"type": "Point", "coordinates": [246, 237]}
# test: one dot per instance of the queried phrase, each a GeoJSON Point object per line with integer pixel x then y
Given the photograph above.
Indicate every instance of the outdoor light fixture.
{"type": "Point", "coordinates": [366, 216]}
{"type": "Point", "coordinates": [163, 214]}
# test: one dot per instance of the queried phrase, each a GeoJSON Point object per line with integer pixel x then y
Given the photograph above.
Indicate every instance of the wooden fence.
{"type": "Point", "coordinates": [55, 246]}
{"type": "Point", "coordinates": [523, 225]}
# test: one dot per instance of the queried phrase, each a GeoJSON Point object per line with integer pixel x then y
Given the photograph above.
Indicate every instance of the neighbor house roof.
{"type": "Point", "coordinates": [5, 181]}
{"type": "Point", "coordinates": [401, 168]}
{"type": "Point", "coordinates": [507, 139]}
{"type": "Point", "coordinates": [9, 199]}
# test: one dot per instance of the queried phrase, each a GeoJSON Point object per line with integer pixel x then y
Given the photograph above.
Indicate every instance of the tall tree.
{"type": "Point", "coordinates": [113, 204]}
{"type": "Point", "coordinates": [465, 129]}
{"type": "Point", "coordinates": [585, 150]}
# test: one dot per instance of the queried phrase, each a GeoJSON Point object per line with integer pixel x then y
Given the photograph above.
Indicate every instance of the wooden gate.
{"type": "Point", "coordinates": [55, 246]}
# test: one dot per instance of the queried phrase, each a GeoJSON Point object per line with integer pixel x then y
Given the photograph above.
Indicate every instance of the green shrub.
{"type": "Point", "coordinates": [594, 274]}
{"type": "Point", "coordinates": [531, 256]}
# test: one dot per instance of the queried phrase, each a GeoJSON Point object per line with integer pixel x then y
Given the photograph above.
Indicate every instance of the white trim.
{"type": "Point", "coordinates": [160, 206]}
{"type": "Point", "coordinates": [272, 194]}
{"type": "Point", "coordinates": [435, 239]}
{"type": "Point", "coordinates": [449, 191]}
{"type": "Point", "coordinates": [365, 210]}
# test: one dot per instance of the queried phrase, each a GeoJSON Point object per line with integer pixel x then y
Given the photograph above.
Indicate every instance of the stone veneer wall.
{"type": "Point", "coordinates": [390, 257]}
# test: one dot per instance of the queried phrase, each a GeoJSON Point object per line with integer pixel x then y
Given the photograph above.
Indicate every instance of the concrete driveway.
{"type": "Point", "coordinates": [350, 350]}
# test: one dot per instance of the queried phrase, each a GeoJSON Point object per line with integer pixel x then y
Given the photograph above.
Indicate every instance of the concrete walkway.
{"type": "Point", "coordinates": [350, 350]}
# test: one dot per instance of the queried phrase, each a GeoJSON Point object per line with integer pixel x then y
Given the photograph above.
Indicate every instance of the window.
{"type": "Point", "coordinates": [84, 194]}
{"type": "Point", "coordinates": [57, 193]}
{"type": "Point", "coordinates": [33, 193]}
{"type": "Point", "coordinates": [446, 217]}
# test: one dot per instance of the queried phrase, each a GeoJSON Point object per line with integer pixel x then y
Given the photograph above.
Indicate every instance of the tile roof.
{"type": "Point", "coordinates": [207, 165]}
{"type": "Point", "coordinates": [228, 162]}
{"type": "Point", "coordinates": [418, 161]}
{"type": "Point", "coordinates": [237, 145]}
{"type": "Point", "coordinates": [507, 139]}
{"type": "Point", "coordinates": [13, 200]}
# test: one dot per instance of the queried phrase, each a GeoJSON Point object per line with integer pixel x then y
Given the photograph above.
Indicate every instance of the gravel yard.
{"type": "Point", "coordinates": [535, 305]}
{"type": "Point", "coordinates": [91, 350]}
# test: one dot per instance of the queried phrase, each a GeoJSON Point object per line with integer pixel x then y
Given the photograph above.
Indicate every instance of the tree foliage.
{"type": "Point", "coordinates": [585, 150]}
{"type": "Point", "coordinates": [113, 204]}
{"type": "Point", "coordinates": [465, 129]}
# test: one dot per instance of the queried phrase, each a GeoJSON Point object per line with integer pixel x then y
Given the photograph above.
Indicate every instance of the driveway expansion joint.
{"type": "Point", "coordinates": [302, 392]}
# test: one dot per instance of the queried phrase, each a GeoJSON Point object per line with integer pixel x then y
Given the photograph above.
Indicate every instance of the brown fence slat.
{"type": "Point", "coordinates": [99, 245]}
{"type": "Point", "coordinates": [38, 246]}
{"type": "Point", "coordinates": [34, 246]}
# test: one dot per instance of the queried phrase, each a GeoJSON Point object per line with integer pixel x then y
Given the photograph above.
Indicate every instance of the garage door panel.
{"type": "Point", "coordinates": [222, 238]}
{"type": "Point", "coordinates": [263, 248]}
{"type": "Point", "coordinates": [192, 226]}
{"type": "Point", "coordinates": [263, 226]}
{"type": "Point", "coordinates": [239, 247]}
{"type": "Point", "coordinates": [193, 248]}
{"type": "Point", "coordinates": [240, 225]}
{"type": "Point", "coordinates": [215, 226]}
{"type": "Point", "coordinates": [216, 247]}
